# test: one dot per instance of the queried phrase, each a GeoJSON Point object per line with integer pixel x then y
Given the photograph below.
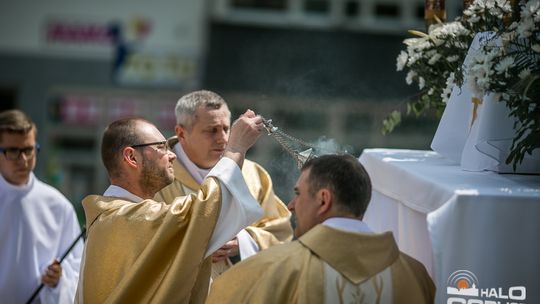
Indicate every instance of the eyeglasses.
{"type": "Point", "coordinates": [162, 146]}
{"type": "Point", "coordinates": [15, 153]}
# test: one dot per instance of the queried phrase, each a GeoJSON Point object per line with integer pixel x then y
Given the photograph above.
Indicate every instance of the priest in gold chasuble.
{"type": "Point", "coordinates": [337, 258]}
{"type": "Point", "coordinates": [203, 121]}
{"type": "Point", "coordinates": [142, 251]}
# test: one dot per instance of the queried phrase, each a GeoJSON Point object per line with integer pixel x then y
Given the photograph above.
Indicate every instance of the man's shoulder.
{"type": "Point", "coordinates": [278, 254]}
{"type": "Point", "coordinates": [412, 262]}
{"type": "Point", "coordinates": [107, 202]}
{"type": "Point", "coordinates": [96, 205]}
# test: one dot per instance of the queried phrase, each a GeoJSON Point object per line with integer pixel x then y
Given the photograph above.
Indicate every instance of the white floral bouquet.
{"type": "Point", "coordinates": [432, 60]}
{"type": "Point", "coordinates": [507, 65]}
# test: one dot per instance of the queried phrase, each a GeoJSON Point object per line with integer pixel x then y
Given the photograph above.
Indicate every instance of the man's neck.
{"type": "Point", "coordinates": [119, 191]}
{"type": "Point", "coordinates": [20, 184]}
{"type": "Point", "coordinates": [347, 224]}
{"type": "Point", "coordinates": [133, 188]}
{"type": "Point", "coordinates": [197, 173]}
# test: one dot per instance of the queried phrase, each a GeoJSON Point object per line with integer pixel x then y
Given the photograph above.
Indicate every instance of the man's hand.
{"type": "Point", "coordinates": [244, 133]}
{"type": "Point", "coordinates": [230, 249]}
{"type": "Point", "coordinates": [52, 274]}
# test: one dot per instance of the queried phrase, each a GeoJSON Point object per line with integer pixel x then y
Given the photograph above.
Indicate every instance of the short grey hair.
{"type": "Point", "coordinates": [188, 104]}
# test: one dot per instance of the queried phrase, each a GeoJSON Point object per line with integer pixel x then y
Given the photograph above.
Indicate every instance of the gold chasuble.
{"type": "Point", "coordinates": [148, 252]}
{"type": "Point", "coordinates": [273, 228]}
{"type": "Point", "coordinates": [327, 265]}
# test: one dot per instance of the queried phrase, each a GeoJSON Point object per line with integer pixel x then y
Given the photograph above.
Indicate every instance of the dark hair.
{"type": "Point", "coordinates": [118, 135]}
{"type": "Point", "coordinates": [15, 121]}
{"type": "Point", "coordinates": [345, 177]}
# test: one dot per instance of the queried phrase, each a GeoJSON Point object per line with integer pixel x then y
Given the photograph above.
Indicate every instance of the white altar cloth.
{"type": "Point", "coordinates": [453, 220]}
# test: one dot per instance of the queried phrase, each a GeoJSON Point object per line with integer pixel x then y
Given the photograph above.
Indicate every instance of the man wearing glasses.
{"type": "Point", "coordinates": [37, 223]}
{"type": "Point", "coordinates": [142, 251]}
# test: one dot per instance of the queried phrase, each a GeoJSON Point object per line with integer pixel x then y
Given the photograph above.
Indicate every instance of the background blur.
{"type": "Point", "coordinates": [321, 69]}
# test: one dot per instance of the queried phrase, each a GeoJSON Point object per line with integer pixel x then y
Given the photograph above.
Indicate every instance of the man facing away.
{"type": "Point", "coordinates": [142, 251]}
{"type": "Point", "coordinates": [37, 223]}
{"type": "Point", "coordinates": [202, 130]}
{"type": "Point", "coordinates": [337, 258]}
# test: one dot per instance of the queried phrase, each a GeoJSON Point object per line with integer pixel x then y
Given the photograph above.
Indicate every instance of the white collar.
{"type": "Point", "coordinates": [116, 191]}
{"type": "Point", "coordinates": [197, 173]}
{"type": "Point", "coordinates": [347, 224]}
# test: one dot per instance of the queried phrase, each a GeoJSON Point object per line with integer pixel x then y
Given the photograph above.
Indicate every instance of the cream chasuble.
{"type": "Point", "coordinates": [150, 252]}
{"type": "Point", "coordinates": [327, 265]}
{"type": "Point", "coordinates": [272, 228]}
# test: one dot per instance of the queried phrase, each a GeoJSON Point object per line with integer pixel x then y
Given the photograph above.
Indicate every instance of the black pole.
{"type": "Point", "coordinates": [40, 287]}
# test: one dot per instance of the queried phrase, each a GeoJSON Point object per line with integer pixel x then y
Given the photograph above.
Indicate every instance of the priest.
{"type": "Point", "coordinates": [202, 130]}
{"type": "Point", "coordinates": [142, 251]}
{"type": "Point", "coordinates": [337, 258]}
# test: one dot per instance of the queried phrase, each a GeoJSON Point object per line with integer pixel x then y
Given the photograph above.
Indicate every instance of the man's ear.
{"type": "Point", "coordinates": [180, 132]}
{"type": "Point", "coordinates": [129, 157]}
{"type": "Point", "coordinates": [324, 198]}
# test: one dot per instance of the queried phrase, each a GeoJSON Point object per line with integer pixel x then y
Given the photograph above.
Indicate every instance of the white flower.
{"type": "Point", "coordinates": [452, 58]}
{"type": "Point", "coordinates": [402, 60]}
{"type": "Point", "coordinates": [434, 59]}
{"type": "Point", "coordinates": [536, 48]}
{"type": "Point", "coordinates": [524, 73]}
{"type": "Point", "coordinates": [474, 19]}
{"type": "Point", "coordinates": [525, 28]}
{"type": "Point", "coordinates": [448, 89]}
{"type": "Point", "coordinates": [532, 8]}
{"type": "Point", "coordinates": [410, 76]}
{"type": "Point", "coordinates": [413, 57]}
{"type": "Point", "coordinates": [503, 65]}
{"type": "Point", "coordinates": [421, 82]}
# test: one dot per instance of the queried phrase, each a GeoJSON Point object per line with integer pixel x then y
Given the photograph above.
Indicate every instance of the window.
{"type": "Point", "coordinates": [378, 15]}
{"type": "Point", "coordinates": [352, 9]}
{"type": "Point", "coordinates": [387, 10]}
{"type": "Point", "coordinates": [316, 6]}
{"type": "Point", "coordinates": [260, 4]}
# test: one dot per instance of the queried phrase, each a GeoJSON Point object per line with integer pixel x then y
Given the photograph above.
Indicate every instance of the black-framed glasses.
{"type": "Point", "coordinates": [13, 153]}
{"type": "Point", "coordinates": [162, 146]}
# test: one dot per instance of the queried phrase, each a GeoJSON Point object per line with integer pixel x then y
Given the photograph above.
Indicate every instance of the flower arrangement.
{"type": "Point", "coordinates": [508, 65]}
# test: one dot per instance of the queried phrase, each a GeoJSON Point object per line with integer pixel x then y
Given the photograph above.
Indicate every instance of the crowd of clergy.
{"type": "Point", "coordinates": [189, 220]}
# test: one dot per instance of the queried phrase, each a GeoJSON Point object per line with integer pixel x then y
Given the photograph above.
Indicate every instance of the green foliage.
{"type": "Point", "coordinates": [391, 121]}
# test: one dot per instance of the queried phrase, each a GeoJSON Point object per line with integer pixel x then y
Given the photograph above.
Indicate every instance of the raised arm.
{"type": "Point", "coordinates": [244, 133]}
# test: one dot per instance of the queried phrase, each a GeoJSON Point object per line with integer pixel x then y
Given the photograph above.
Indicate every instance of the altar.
{"type": "Point", "coordinates": [477, 233]}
